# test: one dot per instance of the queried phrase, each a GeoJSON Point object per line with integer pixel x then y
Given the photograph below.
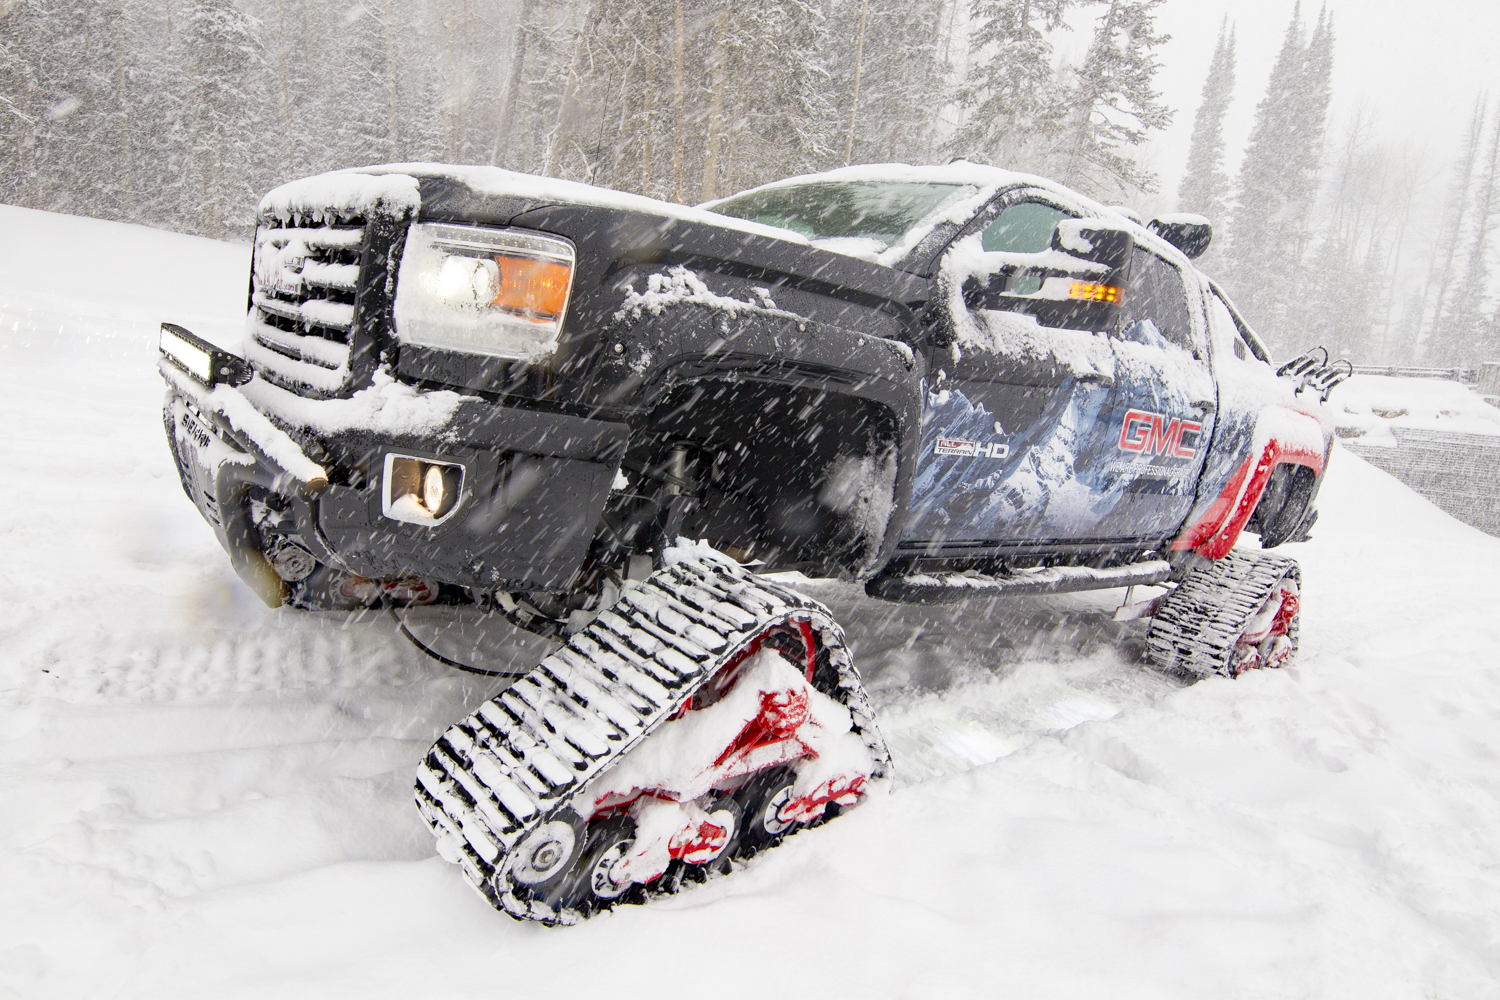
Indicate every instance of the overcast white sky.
{"type": "Point", "coordinates": [1419, 66]}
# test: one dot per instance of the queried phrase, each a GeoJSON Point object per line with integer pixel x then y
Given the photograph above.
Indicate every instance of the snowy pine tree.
{"type": "Point", "coordinates": [1014, 105]}
{"type": "Point", "coordinates": [1113, 102]}
{"type": "Point", "coordinates": [1205, 185]}
{"type": "Point", "coordinates": [1278, 182]}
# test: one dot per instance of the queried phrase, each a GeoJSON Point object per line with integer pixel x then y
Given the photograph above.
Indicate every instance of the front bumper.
{"type": "Point", "coordinates": [535, 485]}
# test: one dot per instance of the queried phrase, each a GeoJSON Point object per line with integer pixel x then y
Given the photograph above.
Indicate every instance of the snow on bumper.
{"type": "Point", "coordinates": [533, 483]}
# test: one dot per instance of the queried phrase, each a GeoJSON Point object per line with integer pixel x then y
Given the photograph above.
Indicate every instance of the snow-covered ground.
{"type": "Point", "coordinates": [203, 798]}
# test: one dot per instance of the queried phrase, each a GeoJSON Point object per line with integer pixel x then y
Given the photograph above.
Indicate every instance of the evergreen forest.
{"type": "Point", "coordinates": [179, 114]}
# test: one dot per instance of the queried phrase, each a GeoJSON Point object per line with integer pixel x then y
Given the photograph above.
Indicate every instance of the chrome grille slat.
{"type": "Point", "coordinates": [317, 350]}
{"type": "Point", "coordinates": [345, 276]}
{"type": "Point", "coordinates": [327, 313]}
{"type": "Point", "coordinates": [294, 372]}
{"type": "Point", "coordinates": [306, 276]}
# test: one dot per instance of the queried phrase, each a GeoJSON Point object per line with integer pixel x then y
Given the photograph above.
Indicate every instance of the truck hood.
{"type": "Point", "coordinates": [476, 193]}
{"type": "Point", "coordinates": [622, 226]}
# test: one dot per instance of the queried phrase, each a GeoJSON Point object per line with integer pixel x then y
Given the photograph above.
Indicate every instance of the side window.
{"type": "Point", "coordinates": [1155, 310]}
{"type": "Point", "coordinates": [1228, 335]}
{"type": "Point", "coordinates": [1023, 228]}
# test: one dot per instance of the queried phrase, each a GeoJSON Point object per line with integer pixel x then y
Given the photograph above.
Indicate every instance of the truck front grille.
{"type": "Point", "coordinates": [303, 290]}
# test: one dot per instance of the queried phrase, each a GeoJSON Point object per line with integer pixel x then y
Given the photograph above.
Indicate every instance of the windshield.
{"type": "Point", "coordinates": [865, 210]}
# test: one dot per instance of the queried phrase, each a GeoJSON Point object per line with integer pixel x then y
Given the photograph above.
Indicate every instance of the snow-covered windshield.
{"type": "Point", "coordinates": [879, 211]}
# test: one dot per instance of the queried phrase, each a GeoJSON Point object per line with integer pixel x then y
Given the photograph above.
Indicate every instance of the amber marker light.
{"type": "Point", "coordinates": [536, 288]}
{"type": "Point", "coordinates": [1094, 293]}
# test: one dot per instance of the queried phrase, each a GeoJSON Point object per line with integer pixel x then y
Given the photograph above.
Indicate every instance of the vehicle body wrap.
{"type": "Point", "coordinates": [845, 413]}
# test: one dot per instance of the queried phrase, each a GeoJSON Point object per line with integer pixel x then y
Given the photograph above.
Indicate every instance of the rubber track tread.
{"type": "Point", "coordinates": [609, 686]}
{"type": "Point", "coordinates": [1196, 626]}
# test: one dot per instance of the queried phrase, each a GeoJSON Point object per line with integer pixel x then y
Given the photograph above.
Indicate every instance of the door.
{"type": "Point", "coordinates": [1162, 416]}
{"type": "Point", "coordinates": [1035, 435]}
{"type": "Point", "coordinates": [1011, 407]}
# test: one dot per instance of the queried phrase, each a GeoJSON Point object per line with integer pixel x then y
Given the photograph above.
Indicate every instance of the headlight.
{"type": "Point", "coordinates": [500, 292]}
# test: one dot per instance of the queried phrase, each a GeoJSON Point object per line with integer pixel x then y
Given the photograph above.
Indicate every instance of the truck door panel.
{"type": "Point", "coordinates": [1161, 419]}
{"type": "Point", "coordinates": [1008, 424]}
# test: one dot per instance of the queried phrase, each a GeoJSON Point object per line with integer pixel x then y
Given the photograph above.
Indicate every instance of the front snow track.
{"type": "Point", "coordinates": [530, 756]}
{"type": "Point", "coordinates": [1232, 615]}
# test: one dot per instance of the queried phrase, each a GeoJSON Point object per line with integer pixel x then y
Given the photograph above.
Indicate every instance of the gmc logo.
{"type": "Point", "coordinates": [1154, 434]}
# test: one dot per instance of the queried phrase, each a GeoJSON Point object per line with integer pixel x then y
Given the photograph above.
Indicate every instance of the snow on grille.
{"type": "Point", "coordinates": [306, 274]}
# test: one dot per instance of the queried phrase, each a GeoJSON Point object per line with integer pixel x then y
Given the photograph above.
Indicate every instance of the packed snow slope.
{"type": "Point", "coordinates": [203, 798]}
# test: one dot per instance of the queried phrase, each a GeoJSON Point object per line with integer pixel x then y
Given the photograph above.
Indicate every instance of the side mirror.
{"type": "Point", "coordinates": [1187, 232]}
{"type": "Point", "coordinates": [1076, 285]}
{"type": "Point", "coordinates": [1094, 241]}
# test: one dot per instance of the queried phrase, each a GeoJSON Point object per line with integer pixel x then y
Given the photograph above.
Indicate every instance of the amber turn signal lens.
{"type": "Point", "coordinates": [536, 288]}
{"type": "Point", "coordinates": [1094, 293]}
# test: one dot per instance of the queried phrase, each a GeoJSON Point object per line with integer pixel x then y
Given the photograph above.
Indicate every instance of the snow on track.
{"type": "Point", "coordinates": [201, 797]}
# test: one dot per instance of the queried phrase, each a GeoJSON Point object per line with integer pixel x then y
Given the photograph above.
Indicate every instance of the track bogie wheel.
{"type": "Point", "coordinates": [590, 885]}
{"type": "Point", "coordinates": [762, 798]}
{"type": "Point", "coordinates": [545, 861]}
{"type": "Point", "coordinates": [1233, 615]}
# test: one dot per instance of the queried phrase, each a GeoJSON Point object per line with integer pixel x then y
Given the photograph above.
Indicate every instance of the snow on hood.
{"type": "Point", "coordinates": [348, 186]}
{"type": "Point", "coordinates": [345, 192]}
{"type": "Point", "coordinates": [390, 186]}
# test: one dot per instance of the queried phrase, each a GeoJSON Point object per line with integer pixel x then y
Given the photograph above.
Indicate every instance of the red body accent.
{"type": "Point", "coordinates": [778, 734]}
{"type": "Point", "coordinates": [1215, 533]}
{"type": "Point", "coordinates": [700, 843]}
{"type": "Point", "coordinates": [1251, 652]}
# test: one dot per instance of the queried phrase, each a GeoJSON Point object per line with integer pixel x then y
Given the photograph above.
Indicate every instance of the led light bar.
{"type": "Point", "coordinates": [1094, 292]}
{"type": "Point", "coordinates": [200, 359]}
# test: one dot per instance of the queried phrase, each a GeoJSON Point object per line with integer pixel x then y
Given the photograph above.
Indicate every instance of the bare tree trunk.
{"type": "Point", "coordinates": [859, 60]}
{"type": "Point", "coordinates": [450, 99]}
{"type": "Point", "coordinates": [718, 82]}
{"type": "Point", "coordinates": [283, 92]}
{"type": "Point", "coordinates": [1451, 238]}
{"type": "Point", "coordinates": [1408, 182]}
{"type": "Point", "coordinates": [508, 122]}
{"type": "Point", "coordinates": [677, 123]}
{"type": "Point", "coordinates": [562, 131]}
{"type": "Point", "coordinates": [392, 91]}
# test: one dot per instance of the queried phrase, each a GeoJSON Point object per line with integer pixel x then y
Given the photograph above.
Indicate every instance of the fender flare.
{"type": "Point", "coordinates": [1277, 441]}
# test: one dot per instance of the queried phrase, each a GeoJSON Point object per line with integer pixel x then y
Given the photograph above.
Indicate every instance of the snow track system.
{"type": "Point", "coordinates": [1235, 614]}
{"type": "Point", "coordinates": [706, 715]}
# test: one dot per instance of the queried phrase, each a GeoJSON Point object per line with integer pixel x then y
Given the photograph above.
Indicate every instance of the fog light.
{"type": "Point", "coordinates": [433, 491]}
{"type": "Point", "coordinates": [420, 490]}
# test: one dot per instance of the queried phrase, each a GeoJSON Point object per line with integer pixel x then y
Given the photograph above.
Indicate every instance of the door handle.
{"type": "Point", "coordinates": [1098, 378]}
{"type": "Point", "coordinates": [1204, 405]}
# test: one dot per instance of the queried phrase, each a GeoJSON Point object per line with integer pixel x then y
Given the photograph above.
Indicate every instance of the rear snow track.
{"type": "Point", "coordinates": [199, 797]}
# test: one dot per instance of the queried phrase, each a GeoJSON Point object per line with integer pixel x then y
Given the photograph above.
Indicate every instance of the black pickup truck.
{"type": "Point", "coordinates": [461, 384]}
